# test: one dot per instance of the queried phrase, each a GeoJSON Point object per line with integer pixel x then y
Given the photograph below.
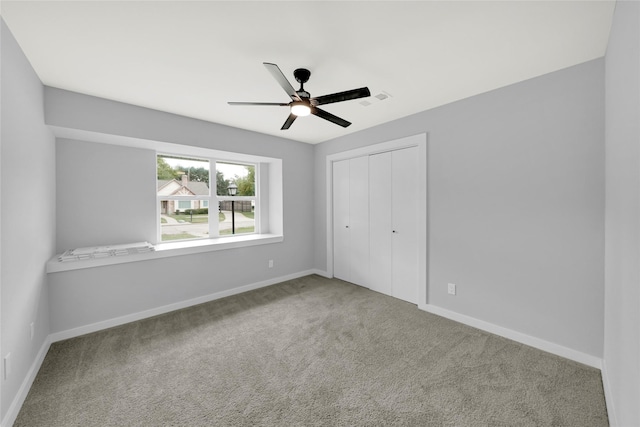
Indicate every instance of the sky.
{"type": "Point", "coordinates": [228, 170]}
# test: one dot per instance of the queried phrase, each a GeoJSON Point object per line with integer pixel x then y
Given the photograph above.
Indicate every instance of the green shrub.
{"type": "Point", "coordinates": [201, 211]}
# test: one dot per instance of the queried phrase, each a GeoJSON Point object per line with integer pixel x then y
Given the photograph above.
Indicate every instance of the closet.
{"type": "Point", "coordinates": [376, 221]}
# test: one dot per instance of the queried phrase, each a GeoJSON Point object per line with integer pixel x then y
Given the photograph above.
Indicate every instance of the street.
{"type": "Point", "coordinates": [173, 227]}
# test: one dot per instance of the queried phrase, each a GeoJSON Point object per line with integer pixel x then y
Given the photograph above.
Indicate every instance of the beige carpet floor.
{"type": "Point", "coordinates": [307, 352]}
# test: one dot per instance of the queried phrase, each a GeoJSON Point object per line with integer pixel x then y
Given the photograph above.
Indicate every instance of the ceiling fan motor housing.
{"type": "Point", "coordinates": [302, 75]}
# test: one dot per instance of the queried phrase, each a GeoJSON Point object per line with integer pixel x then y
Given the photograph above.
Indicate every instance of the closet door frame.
{"type": "Point", "coordinates": [419, 141]}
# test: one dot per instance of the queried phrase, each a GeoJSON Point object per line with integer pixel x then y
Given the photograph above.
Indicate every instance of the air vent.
{"type": "Point", "coordinates": [375, 99]}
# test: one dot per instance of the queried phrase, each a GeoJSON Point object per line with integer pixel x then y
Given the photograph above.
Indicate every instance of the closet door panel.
{"type": "Point", "coordinates": [341, 235]}
{"type": "Point", "coordinates": [359, 220]}
{"type": "Point", "coordinates": [380, 192]}
{"type": "Point", "coordinates": [404, 166]}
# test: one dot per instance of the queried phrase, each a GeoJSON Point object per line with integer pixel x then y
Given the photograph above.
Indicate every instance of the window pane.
{"type": "Point", "coordinates": [242, 178]}
{"type": "Point", "coordinates": [174, 225]}
{"type": "Point", "coordinates": [182, 176]}
{"type": "Point", "coordinates": [244, 217]}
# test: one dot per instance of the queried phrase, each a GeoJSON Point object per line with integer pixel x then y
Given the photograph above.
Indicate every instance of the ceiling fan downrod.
{"type": "Point", "coordinates": [302, 76]}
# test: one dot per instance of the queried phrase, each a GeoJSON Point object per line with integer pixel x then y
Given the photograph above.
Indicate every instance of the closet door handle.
{"type": "Point", "coordinates": [346, 226]}
{"type": "Point", "coordinates": [394, 231]}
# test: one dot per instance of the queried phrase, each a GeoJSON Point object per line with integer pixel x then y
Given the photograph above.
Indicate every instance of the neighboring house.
{"type": "Point", "coordinates": [184, 187]}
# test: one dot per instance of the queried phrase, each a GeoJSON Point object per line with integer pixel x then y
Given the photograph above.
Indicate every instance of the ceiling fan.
{"type": "Point", "coordinates": [301, 102]}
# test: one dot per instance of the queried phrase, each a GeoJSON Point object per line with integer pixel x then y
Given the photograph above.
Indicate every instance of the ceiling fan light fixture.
{"type": "Point", "coordinates": [300, 109]}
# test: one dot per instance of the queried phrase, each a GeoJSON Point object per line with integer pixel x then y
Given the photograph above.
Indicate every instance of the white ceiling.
{"type": "Point", "coordinates": [190, 58]}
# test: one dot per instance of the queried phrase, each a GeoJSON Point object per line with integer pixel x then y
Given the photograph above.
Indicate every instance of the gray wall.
{"type": "Point", "coordinates": [28, 215]}
{"type": "Point", "coordinates": [82, 297]}
{"type": "Point", "coordinates": [516, 204]}
{"type": "Point", "coordinates": [622, 266]}
{"type": "Point", "coordinates": [103, 195]}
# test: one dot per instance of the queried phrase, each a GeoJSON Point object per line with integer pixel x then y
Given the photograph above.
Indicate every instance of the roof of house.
{"type": "Point", "coordinates": [198, 188]}
{"type": "Point", "coordinates": [194, 187]}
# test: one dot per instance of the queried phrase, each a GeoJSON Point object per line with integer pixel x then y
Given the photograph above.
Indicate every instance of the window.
{"type": "Point", "coordinates": [235, 188]}
{"type": "Point", "coordinates": [182, 185]}
{"type": "Point", "coordinates": [185, 195]}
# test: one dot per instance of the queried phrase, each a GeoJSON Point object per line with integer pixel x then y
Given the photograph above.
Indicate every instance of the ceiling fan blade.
{"type": "Point", "coordinates": [328, 116]}
{"type": "Point", "coordinates": [282, 80]}
{"type": "Point", "coordinates": [258, 103]}
{"type": "Point", "coordinates": [287, 124]}
{"type": "Point", "coordinates": [363, 92]}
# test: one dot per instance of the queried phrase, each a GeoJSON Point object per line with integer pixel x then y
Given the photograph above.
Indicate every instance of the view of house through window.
{"type": "Point", "coordinates": [185, 197]}
{"type": "Point", "coordinates": [183, 192]}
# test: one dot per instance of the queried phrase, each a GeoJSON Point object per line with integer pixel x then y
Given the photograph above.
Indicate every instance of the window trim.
{"type": "Point", "coordinates": [213, 198]}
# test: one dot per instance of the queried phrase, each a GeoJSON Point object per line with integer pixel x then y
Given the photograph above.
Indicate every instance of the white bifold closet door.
{"type": "Point", "coordinates": [380, 223]}
{"type": "Point", "coordinates": [351, 220]}
{"type": "Point", "coordinates": [393, 221]}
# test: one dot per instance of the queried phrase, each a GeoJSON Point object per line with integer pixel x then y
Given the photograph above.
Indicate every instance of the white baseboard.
{"type": "Point", "coordinates": [608, 397]}
{"type": "Point", "coordinates": [14, 408]}
{"type": "Point", "coordinates": [110, 323]}
{"type": "Point", "coordinates": [321, 273]}
{"type": "Point", "coordinates": [549, 347]}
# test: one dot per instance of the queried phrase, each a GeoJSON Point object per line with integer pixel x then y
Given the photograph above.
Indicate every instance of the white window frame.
{"type": "Point", "coordinates": [213, 199]}
{"type": "Point", "coordinates": [255, 198]}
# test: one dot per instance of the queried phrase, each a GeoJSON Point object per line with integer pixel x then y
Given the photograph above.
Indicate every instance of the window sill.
{"type": "Point", "coordinates": [165, 250]}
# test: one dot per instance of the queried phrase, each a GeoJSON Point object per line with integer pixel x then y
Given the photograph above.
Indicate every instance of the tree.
{"type": "Point", "coordinates": [165, 171]}
{"type": "Point", "coordinates": [246, 184]}
{"type": "Point", "coordinates": [221, 184]}
{"type": "Point", "coordinates": [195, 174]}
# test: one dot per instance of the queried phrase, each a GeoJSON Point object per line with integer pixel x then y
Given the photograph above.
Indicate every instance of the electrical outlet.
{"type": "Point", "coordinates": [270, 263]}
{"type": "Point", "coordinates": [451, 288]}
{"type": "Point", "coordinates": [6, 365]}
{"type": "Point", "coordinates": [33, 329]}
